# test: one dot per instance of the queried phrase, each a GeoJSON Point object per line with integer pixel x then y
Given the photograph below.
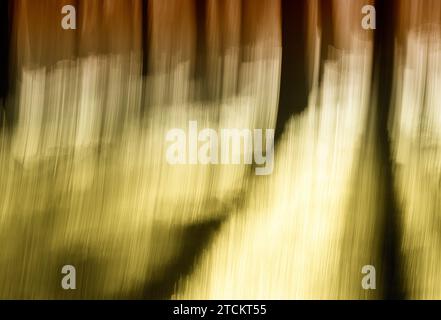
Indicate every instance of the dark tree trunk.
{"type": "Point", "coordinates": [200, 68]}
{"type": "Point", "coordinates": [293, 95]}
{"type": "Point", "coordinates": [145, 37]}
{"type": "Point", "coordinates": [383, 62]}
{"type": "Point", "coordinates": [201, 37]}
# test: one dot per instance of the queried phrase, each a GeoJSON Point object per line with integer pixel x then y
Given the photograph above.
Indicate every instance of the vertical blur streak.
{"type": "Point", "coordinates": [293, 99]}
{"type": "Point", "coordinates": [84, 178]}
{"type": "Point", "coordinates": [383, 66]}
{"type": "Point", "coordinates": [416, 135]}
{"type": "Point", "coordinates": [4, 59]}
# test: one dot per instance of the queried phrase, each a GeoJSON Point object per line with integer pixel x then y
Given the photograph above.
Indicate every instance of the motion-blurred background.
{"type": "Point", "coordinates": [357, 173]}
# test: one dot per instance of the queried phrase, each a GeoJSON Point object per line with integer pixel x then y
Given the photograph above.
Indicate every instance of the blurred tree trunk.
{"type": "Point", "coordinates": [293, 95]}
{"type": "Point", "coordinates": [383, 62]}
